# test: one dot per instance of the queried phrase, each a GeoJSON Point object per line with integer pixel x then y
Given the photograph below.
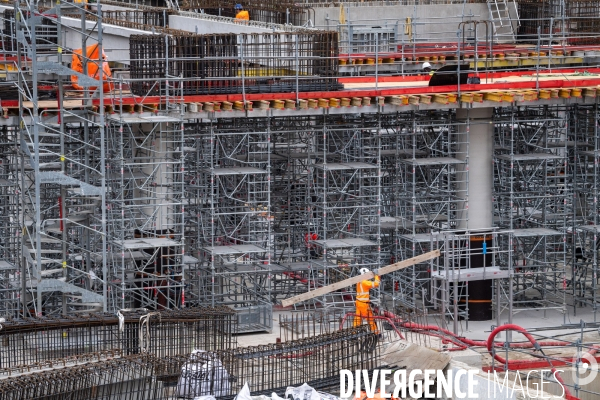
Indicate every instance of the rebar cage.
{"type": "Point", "coordinates": [221, 373]}
{"type": "Point", "coordinates": [231, 63]}
{"type": "Point", "coordinates": [165, 333]}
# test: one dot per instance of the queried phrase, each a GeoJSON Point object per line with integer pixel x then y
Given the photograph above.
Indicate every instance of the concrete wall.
{"type": "Point", "coordinates": [115, 39]}
{"type": "Point", "coordinates": [438, 22]}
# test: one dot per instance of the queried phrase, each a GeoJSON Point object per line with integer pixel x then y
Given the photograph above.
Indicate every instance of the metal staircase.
{"type": "Point", "coordinates": [63, 243]}
{"type": "Point", "coordinates": [504, 25]}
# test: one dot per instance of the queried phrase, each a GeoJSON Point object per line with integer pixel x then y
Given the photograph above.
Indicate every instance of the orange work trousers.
{"type": "Point", "coordinates": [363, 311]}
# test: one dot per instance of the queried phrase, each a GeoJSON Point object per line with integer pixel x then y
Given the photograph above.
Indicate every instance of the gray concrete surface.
{"type": "Point", "coordinates": [438, 22]}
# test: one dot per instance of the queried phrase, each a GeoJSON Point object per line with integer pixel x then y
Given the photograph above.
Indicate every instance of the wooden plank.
{"type": "Point", "coordinates": [466, 97]}
{"type": "Point", "coordinates": [508, 97]}
{"type": "Point", "coordinates": [589, 92]}
{"type": "Point", "coordinates": [355, 279]}
{"type": "Point", "coordinates": [53, 104]}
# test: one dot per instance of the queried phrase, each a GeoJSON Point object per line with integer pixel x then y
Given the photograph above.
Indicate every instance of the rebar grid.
{"type": "Point", "coordinates": [230, 63]}
{"type": "Point", "coordinates": [156, 18]}
{"type": "Point", "coordinates": [271, 11]}
{"type": "Point", "coordinates": [274, 367]}
{"type": "Point", "coordinates": [297, 325]}
{"type": "Point", "coordinates": [571, 21]}
{"type": "Point", "coordinates": [49, 340]}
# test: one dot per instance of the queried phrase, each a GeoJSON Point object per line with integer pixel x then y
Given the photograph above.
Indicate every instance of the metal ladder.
{"type": "Point", "coordinates": [504, 31]}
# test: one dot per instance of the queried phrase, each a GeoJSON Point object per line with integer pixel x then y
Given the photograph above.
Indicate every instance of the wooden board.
{"type": "Point", "coordinates": [355, 279]}
{"type": "Point", "coordinates": [53, 104]}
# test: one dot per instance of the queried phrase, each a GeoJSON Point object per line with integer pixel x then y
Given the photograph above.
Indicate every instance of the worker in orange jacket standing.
{"type": "Point", "coordinates": [241, 14]}
{"type": "Point", "coordinates": [363, 301]}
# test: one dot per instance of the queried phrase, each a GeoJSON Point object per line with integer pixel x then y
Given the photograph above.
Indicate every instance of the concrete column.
{"type": "Point", "coordinates": [477, 187]}
{"type": "Point", "coordinates": [156, 160]}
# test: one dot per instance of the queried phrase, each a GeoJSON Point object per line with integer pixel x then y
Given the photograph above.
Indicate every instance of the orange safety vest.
{"type": "Point", "coordinates": [244, 15]}
{"type": "Point", "coordinates": [363, 287]}
{"type": "Point", "coordinates": [93, 65]}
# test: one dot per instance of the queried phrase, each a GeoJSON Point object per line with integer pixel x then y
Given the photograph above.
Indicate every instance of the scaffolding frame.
{"type": "Point", "coordinates": [157, 210]}
{"type": "Point", "coordinates": [343, 234]}
{"type": "Point", "coordinates": [146, 209]}
{"type": "Point", "coordinates": [582, 235]}
{"type": "Point", "coordinates": [62, 168]}
{"type": "Point", "coordinates": [533, 199]}
{"type": "Point", "coordinates": [230, 233]}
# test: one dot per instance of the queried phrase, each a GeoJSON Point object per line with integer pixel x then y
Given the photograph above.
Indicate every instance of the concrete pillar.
{"type": "Point", "coordinates": [477, 189]}
{"type": "Point", "coordinates": [156, 159]}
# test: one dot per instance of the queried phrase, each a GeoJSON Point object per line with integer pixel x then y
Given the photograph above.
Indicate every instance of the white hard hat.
{"type": "Point", "coordinates": [364, 271]}
{"type": "Point", "coordinates": [426, 65]}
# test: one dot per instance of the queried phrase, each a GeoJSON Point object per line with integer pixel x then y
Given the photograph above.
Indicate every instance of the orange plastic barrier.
{"type": "Point", "coordinates": [92, 67]}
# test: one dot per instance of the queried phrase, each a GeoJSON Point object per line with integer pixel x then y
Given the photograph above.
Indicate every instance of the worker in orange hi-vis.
{"type": "Point", "coordinates": [363, 301]}
{"type": "Point", "coordinates": [241, 14]}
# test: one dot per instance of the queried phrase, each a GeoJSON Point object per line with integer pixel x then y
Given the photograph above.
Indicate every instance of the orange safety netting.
{"type": "Point", "coordinates": [92, 67]}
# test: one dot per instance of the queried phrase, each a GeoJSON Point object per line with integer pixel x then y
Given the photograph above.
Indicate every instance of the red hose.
{"type": "Point", "coordinates": [513, 327]}
{"type": "Point", "coordinates": [463, 343]}
{"type": "Point", "coordinates": [342, 322]}
{"type": "Point", "coordinates": [464, 340]}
